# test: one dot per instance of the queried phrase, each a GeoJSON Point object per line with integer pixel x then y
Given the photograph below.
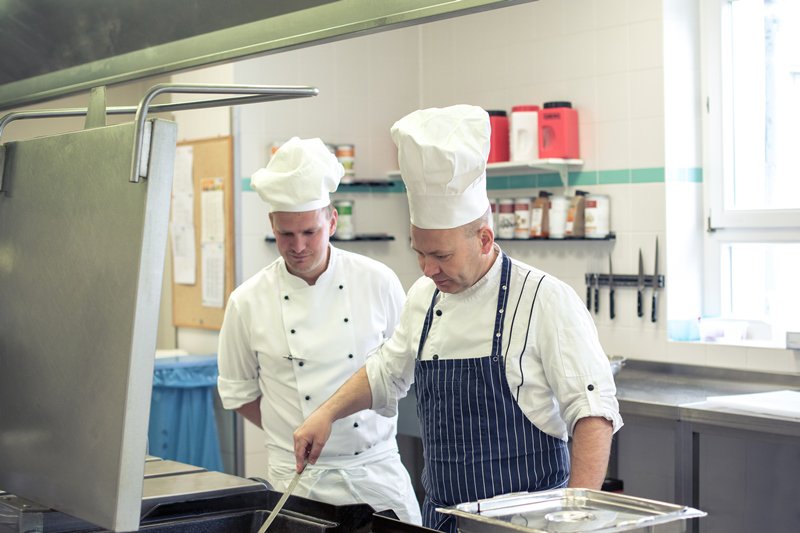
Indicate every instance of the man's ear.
{"type": "Point", "coordinates": [486, 236]}
{"type": "Point", "coordinates": [333, 221]}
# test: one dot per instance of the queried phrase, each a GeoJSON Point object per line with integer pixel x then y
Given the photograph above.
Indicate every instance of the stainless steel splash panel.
{"type": "Point", "coordinates": [81, 263]}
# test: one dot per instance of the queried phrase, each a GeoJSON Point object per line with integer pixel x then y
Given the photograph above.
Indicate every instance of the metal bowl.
{"type": "Point", "coordinates": [616, 362]}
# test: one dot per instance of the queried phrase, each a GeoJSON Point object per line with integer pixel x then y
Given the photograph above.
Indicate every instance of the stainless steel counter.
{"type": "Point", "coordinates": [668, 390]}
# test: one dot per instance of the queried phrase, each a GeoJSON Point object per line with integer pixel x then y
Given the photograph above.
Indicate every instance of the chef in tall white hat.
{"type": "Point", "coordinates": [505, 358]}
{"type": "Point", "coordinates": [299, 328]}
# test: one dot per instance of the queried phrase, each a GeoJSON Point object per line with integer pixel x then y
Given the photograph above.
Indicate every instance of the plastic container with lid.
{"type": "Point", "coordinates": [558, 131]}
{"type": "Point", "coordinates": [524, 137]}
{"type": "Point", "coordinates": [498, 147]}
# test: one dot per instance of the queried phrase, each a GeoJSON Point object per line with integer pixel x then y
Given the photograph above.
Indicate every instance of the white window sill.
{"type": "Point", "coordinates": [743, 343]}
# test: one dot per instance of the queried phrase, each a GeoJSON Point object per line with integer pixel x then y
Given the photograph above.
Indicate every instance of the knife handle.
{"type": "Point", "coordinates": [589, 297]}
{"type": "Point", "coordinates": [596, 299]}
{"type": "Point", "coordinates": [639, 306]}
{"type": "Point", "coordinates": [653, 314]}
{"type": "Point", "coordinates": [611, 303]}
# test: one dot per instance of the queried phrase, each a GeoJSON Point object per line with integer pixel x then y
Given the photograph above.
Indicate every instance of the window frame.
{"type": "Point", "coordinates": [718, 141]}
{"type": "Point", "coordinates": [727, 226]}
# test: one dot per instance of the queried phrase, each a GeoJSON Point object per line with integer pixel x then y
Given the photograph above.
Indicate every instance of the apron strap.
{"type": "Point", "coordinates": [426, 326]}
{"type": "Point", "coordinates": [502, 304]}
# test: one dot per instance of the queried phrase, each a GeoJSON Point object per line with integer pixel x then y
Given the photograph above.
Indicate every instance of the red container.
{"type": "Point", "coordinates": [558, 131]}
{"type": "Point", "coordinates": [498, 147]}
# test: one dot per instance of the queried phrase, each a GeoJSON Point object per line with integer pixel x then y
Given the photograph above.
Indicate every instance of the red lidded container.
{"type": "Point", "coordinates": [498, 147]}
{"type": "Point", "coordinates": [558, 131]}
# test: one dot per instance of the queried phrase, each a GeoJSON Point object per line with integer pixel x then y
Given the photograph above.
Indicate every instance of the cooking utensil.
{"type": "Point", "coordinates": [640, 287]}
{"type": "Point", "coordinates": [282, 501]}
{"type": "Point", "coordinates": [589, 294]}
{"type": "Point", "coordinates": [654, 312]}
{"type": "Point", "coordinates": [610, 289]}
{"type": "Point", "coordinates": [596, 293]}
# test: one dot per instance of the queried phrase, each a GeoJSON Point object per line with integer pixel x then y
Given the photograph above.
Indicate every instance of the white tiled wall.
{"type": "Point", "coordinates": [628, 66]}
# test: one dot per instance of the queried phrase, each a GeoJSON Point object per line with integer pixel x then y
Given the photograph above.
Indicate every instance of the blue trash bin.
{"type": "Point", "coordinates": [182, 424]}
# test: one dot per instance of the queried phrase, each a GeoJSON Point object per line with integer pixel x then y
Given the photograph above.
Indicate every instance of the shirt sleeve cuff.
{"type": "Point", "coordinates": [597, 404]}
{"type": "Point", "coordinates": [384, 398]}
{"type": "Point", "coordinates": [234, 393]}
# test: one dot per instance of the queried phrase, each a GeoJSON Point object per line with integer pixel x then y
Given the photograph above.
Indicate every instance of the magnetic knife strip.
{"type": "Point", "coordinates": [623, 280]}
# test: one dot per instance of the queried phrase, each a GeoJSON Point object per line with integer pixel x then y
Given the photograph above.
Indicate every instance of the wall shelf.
{"type": "Point", "coordinates": [358, 237]}
{"type": "Point", "coordinates": [521, 168]}
{"type": "Point", "coordinates": [609, 237]}
{"type": "Point", "coordinates": [376, 182]}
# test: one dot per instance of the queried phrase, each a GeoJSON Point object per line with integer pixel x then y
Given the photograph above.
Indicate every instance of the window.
{"type": "Point", "coordinates": [751, 70]}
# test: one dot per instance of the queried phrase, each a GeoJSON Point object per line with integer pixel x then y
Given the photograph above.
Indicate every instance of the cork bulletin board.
{"type": "Point", "coordinates": [211, 168]}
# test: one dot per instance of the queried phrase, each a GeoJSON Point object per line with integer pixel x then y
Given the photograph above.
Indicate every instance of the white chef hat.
{"type": "Point", "coordinates": [442, 154]}
{"type": "Point", "coordinates": [299, 177]}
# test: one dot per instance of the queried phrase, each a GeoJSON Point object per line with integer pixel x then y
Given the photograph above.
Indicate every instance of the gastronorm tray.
{"type": "Point", "coordinates": [566, 510]}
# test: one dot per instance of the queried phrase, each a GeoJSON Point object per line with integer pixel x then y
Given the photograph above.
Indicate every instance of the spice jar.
{"type": "Point", "coordinates": [522, 217]}
{"type": "Point", "coordinates": [506, 221]}
{"type": "Point", "coordinates": [345, 229]}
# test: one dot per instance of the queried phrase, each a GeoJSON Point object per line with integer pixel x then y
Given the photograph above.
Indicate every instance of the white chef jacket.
{"type": "Point", "coordinates": [295, 344]}
{"type": "Point", "coordinates": [555, 365]}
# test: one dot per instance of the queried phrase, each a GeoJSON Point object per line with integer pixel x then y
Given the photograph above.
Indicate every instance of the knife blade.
{"type": "Point", "coordinates": [654, 312]}
{"type": "Point", "coordinates": [278, 506]}
{"type": "Point", "coordinates": [610, 289]}
{"type": "Point", "coordinates": [640, 287]}
{"type": "Point", "coordinates": [596, 293]}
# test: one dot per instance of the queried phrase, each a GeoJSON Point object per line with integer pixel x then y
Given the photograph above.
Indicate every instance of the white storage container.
{"type": "Point", "coordinates": [524, 141]}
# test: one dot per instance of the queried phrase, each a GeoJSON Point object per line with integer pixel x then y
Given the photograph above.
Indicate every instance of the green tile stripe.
{"type": "Point", "coordinates": [550, 180]}
{"type": "Point", "coordinates": [583, 178]}
{"type": "Point", "coordinates": [647, 175]}
{"type": "Point", "coordinates": [613, 177]}
{"type": "Point", "coordinates": [525, 181]}
{"type": "Point", "coordinates": [396, 186]}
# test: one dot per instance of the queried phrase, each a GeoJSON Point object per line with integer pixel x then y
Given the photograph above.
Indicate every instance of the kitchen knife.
{"type": "Point", "coordinates": [596, 293]}
{"type": "Point", "coordinates": [282, 501]}
{"type": "Point", "coordinates": [654, 313]}
{"type": "Point", "coordinates": [610, 289]}
{"type": "Point", "coordinates": [640, 287]}
{"type": "Point", "coordinates": [589, 292]}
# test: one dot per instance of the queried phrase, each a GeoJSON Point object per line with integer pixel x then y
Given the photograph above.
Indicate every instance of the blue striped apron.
{"type": "Point", "coordinates": [477, 441]}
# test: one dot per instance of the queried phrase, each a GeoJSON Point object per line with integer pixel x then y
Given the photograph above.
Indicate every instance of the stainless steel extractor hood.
{"type": "Point", "coordinates": [53, 48]}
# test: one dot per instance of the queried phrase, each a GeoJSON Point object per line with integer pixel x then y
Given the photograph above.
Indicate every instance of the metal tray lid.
{"type": "Point", "coordinates": [567, 510]}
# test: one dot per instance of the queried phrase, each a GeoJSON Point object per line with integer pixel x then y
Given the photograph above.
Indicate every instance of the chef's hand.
{"type": "Point", "coordinates": [310, 438]}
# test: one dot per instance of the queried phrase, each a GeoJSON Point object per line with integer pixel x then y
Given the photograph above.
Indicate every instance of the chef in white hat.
{"type": "Point", "coordinates": [299, 328]}
{"type": "Point", "coordinates": [505, 358]}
